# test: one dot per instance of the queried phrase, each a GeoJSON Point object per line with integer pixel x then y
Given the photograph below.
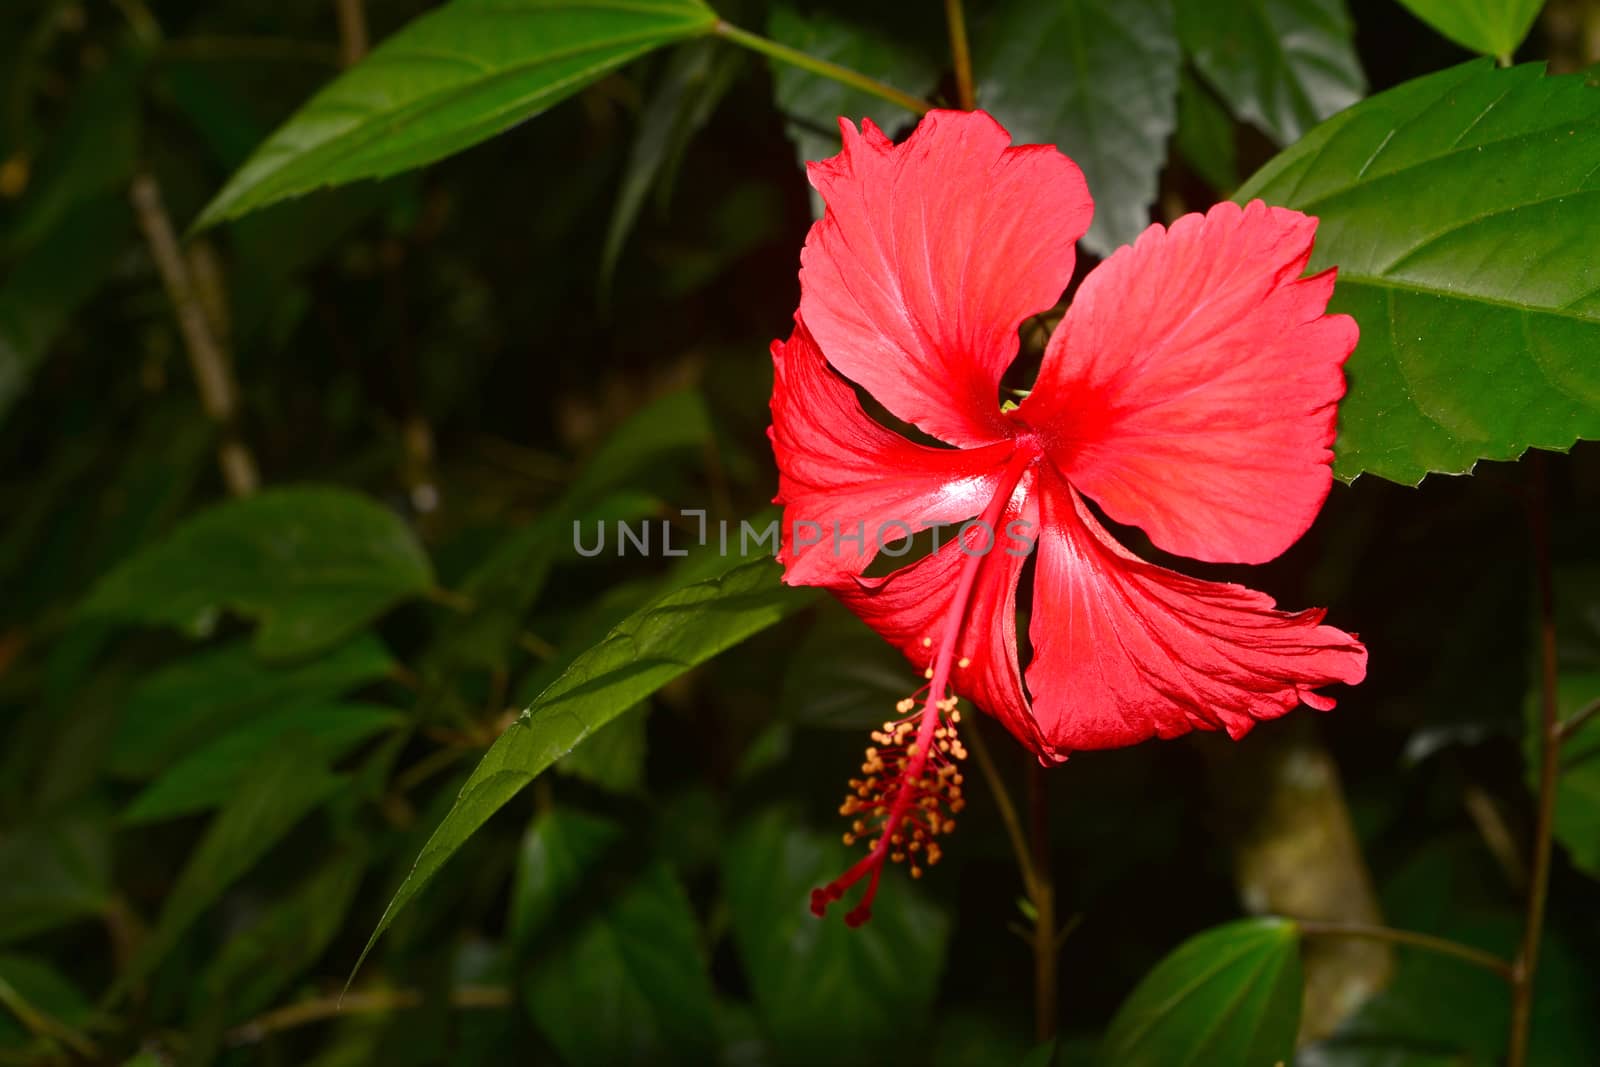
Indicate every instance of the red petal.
{"type": "Point", "coordinates": [908, 608]}
{"type": "Point", "coordinates": [930, 256]}
{"type": "Point", "coordinates": [1125, 650]}
{"type": "Point", "coordinates": [845, 473]}
{"type": "Point", "coordinates": [1191, 388]}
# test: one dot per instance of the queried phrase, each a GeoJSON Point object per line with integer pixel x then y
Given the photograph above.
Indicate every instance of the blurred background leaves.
{"type": "Point", "coordinates": [237, 728]}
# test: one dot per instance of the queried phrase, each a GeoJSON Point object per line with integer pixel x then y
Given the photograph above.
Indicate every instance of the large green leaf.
{"type": "Point", "coordinates": [186, 705]}
{"type": "Point", "coordinates": [1229, 995]}
{"type": "Point", "coordinates": [281, 789]}
{"type": "Point", "coordinates": [677, 631]}
{"type": "Point", "coordinates": [621, 978]}
{"type": "Point", "coordinates": [1459, 209]}
{"type": "Point", "coordinates": [813, 104]}
{"type": "Point", "coordinates": [1099, 78]}
{"type": "Point", "coordinates": [827, 993]}
{"type": "Point", "coordinates": [1283, 65]}
{"type": "Point", "coordinates": [1493, 27]}
{"type": "Point", "coordinates": [447, 80]}
{"type": "Point", "coordinates": [313, 565]}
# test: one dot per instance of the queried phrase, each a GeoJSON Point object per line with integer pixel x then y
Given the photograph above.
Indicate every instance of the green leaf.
{"type": "Point", "coordinates": [613, 758]}
{"type": "Point", "coordinates": [697, 76]}
{"type": "Point", "coordinates": [558, 853]}
{"type": "Point", "coordinates": [827, 993]}
{"type": "Point", "coordinates": [256, 964]}
{"type": "Point", "coordinates": [33, 992]}
{"type": "Point", "coordinates": [281, 789]}
{"type": "Point", "coordinates": [648, 649]}
{"type": "Point", "coordinates": [182, 707]}
{"type": "Point", "coordinates": [323, 732]}
{"type": "Point", "coordinates": [449, 79]}
{"type": "Point", "coordinates": [622, 978]}
{"type": "Point", "coordinates": [843, 675]}
{"type": "Point", "coordinates": [1493, 27]}
{"type": "Point", "coordinates": [813, 104]}
{"type": "Point", "coordinates": [1282, 65]}
{"type": "Point", "coordinates": [1456, 207]}
{"type": "Point", "coordinates": [57, 871]}
{"type": "Point", "coordinates": [1229, 995]}
{"type": "Point", "coordinates": [1205, 137]}
{"type": "Point", "coordinates": [312, 565]}
{"type": "Point", "coordinates": [1099, 78]}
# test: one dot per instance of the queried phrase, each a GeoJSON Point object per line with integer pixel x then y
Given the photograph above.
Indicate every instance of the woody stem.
{"type": "Point", "coordinates": [1002, 802]}
{"type": "Point", "coordinates": [1045, 943]}
{"type": "Point", "coordinates": [832, 71]}
{"type": "Point", "coordinates": [1526, 963]}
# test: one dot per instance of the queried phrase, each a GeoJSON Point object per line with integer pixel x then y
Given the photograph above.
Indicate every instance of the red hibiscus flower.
{"type": "Point", "coordinates": [1190, 390]}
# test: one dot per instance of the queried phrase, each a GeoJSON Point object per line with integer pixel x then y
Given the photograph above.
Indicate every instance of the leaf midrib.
{"type": "Point", "coordinates": [279, 172]}
{"type": "Point", "coordinates": [1360, 184]}
{"type": "Point", "coordinates": [1379, 282]}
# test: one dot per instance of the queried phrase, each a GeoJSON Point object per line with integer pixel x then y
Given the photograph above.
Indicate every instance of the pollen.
{"type": "Point", "coordinates": [905, 799]}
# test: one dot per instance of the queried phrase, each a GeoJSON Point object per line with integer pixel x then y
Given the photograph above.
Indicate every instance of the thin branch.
{"type": "Point", "coordinates": [843, 75]}
{"type": "Point", "coordinates": [352, 31]}
{"type": "Point", "coordinates": [1002, 800]}
{"type": "Point", "coordinates": [213, 375]}
{"type": "Point", "coordinates": [960, 54]}
{"type": "Point", "coordinates": [43, 1025]}
{"type": "Point", "coordinates": [1575, 722]}
{"type": "Point", "coordinates": [1440, 945]}
{"type": "Point", "coordinates": [257, 49]}
{"type": "Point", "coordinates": [460, 603]}
{"type": "Point", "coordinates": [373, 1003]}
{"type": "Point", "coordinates": [1550, 735]}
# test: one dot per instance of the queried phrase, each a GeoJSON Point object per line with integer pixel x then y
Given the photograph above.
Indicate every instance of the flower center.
{"type": "Point", "coordinates": [911, 787]}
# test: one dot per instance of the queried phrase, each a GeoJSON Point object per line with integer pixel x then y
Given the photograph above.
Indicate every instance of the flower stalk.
{"type": "Point", "coordinates": [960, 54]}
{"type": "Point", "coordinates": [1551, 734]}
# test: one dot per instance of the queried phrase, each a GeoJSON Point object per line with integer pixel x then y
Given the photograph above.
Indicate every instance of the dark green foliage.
{"type": "Point", "coordinates": [255, 749]}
